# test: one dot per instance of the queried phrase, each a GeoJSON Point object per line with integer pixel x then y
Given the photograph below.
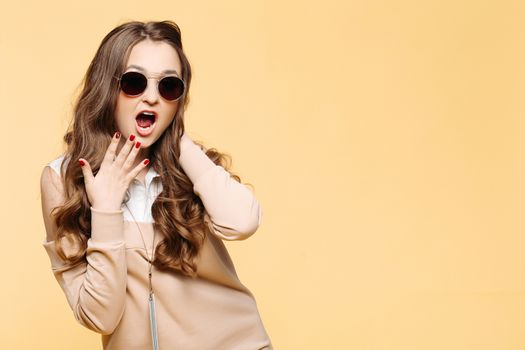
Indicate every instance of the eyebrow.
{"type": "Point", "coordinates": [166, 71]}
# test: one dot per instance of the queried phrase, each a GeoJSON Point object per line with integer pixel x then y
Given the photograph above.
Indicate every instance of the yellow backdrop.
{"type": "Point", "coordinates": [384, 140]}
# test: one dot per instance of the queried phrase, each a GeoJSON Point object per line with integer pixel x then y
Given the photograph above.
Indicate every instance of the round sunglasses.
{"type": "Point", "coordinates": [133, 83]}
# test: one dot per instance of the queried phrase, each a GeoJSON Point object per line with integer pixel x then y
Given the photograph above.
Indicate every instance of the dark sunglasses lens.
{"type": "Point", "coordinates": [171, 88]}
{"type": "Point", "coordinates": [133, 83]}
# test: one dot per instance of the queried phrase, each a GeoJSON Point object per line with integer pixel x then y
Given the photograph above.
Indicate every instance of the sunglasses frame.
{"type": "Point", "coordinates": [158, 82]}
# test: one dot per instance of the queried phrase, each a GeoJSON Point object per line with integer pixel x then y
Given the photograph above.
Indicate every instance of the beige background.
{"type": "Point", "coordinates": [385, 141]}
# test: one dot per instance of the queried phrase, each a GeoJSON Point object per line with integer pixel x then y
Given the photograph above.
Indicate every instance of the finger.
{"type": "Point", "coordinates": [86, 171]}
{"type": "Point", "coordinates": [124, 152]}
{"type": "Point", "coordinates": [112, 149]}
{"type": "Point", "coordinates": [131, 156]}
{"type": "Point", "coordinates": [136, 170]}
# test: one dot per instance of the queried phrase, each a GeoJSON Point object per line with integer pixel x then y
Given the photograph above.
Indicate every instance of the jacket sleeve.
{"type": "Point", "coordinates": [95, 289]}
{"type": "Point", "coordinates": [233, 209]}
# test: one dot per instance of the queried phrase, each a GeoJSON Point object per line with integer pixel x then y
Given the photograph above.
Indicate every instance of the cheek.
{"type": "Point", "coordinates": [123, 110]}
{"type": "Point", "coordinates": [170, 115]}
{"type": "Point", "coordinates": [174, 111]}
{"type": "Point", "coordinates": [117, 115]}
{"type": "Point", "coordinates": [168, 119]}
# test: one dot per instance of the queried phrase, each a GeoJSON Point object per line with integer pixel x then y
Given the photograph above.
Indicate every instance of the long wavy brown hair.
{"type": "Point", "coordinates": [179, 214]}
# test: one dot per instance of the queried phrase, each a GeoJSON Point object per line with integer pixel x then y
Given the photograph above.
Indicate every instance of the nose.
{"type": "Point", "coordinates": [151, 95]}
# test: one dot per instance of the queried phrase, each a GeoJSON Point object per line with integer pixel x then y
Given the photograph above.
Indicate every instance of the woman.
{"type": "Point", "coordinates": [135, 211]}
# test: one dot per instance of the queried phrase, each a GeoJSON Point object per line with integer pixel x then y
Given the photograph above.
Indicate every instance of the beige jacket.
{"type": "Point", "coordinates": [108, 293]}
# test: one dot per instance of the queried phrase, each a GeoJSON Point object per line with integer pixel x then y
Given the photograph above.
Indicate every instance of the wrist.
{"type": "Point", "coordinates": [106, 209]}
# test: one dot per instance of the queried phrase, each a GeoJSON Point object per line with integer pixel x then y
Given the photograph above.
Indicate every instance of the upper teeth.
{"type": "Point", "coordinates": [150, 113]}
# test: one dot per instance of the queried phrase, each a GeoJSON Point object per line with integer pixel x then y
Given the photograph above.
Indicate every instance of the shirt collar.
{"type": "Point", "coordinates": [150, 175]}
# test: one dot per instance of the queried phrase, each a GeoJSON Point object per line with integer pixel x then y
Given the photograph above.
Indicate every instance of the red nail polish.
{"type": "Point", "coordinates": [146, 162]}
{"type": "Point", "coordinates": [81, 162]}
{"type": "Point", "coordinates": [137, 145]}
{"type": "Point", "coordinates": [131, 137]}
{"type": "Point", "coordinates": [117, 135]}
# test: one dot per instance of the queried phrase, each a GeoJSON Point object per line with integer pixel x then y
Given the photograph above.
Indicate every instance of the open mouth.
{"type": "Point", "coordinates": [145, 122]}
{"type": "Point", "coordinates": [145, 119]}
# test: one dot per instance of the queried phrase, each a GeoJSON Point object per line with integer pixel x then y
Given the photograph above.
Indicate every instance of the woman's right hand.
{"type": "Point", "coordinates": [107, 189]}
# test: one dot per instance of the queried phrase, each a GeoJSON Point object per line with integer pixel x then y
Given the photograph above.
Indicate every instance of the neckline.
{"type": "Point", "coordinates": [148, 178]}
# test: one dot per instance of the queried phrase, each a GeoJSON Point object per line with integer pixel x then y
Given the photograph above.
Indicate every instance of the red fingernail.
{"type": "Point", "coordinates": [146, 162]}
{"type": "Point", "coordinates": [117, 135]}
{"type": "Point", "coordinates": [137, 145]}
{"type": "Point", "coordinates": [81, 162]}
{"type": "Point", "coordinates": [131, 137]}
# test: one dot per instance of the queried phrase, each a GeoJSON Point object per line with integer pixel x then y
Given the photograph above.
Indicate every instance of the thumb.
{"type": "Point", "coordinates": [86, 170]}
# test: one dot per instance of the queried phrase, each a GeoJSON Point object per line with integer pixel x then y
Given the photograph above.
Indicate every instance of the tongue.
{"type": "Point", "coordinates": [144, 122]}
